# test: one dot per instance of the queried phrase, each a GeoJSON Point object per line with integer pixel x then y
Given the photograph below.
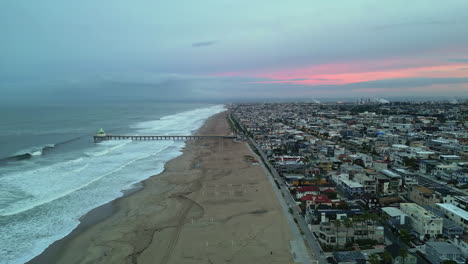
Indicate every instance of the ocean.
{"type": "Point", "coordinates": [51, 172]}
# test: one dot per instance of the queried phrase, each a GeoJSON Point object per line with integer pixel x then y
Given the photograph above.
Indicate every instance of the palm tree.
{"type": "Point", "coordinates": [337, 228]}
{"type": "Point", "coordinates": [357, 219]}
{"type": "Point", "coordinates": [318, 179]}
{"type": "Point", "coordinates": [366, 217]}
{"type": "Point", "coordinates": [387, 257]}
{"type": "Point", "coordinates": [348, 223]}
{"type": "Point", "coordinates": [374, 218]}
{"type": "Point", "coordinates": [403, 253]}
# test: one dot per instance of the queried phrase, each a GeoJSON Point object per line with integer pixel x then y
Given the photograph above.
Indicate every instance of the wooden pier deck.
{"type": "Point", "coordinates": [149, 137]}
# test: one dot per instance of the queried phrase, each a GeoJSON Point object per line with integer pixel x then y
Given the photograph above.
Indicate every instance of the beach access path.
{"type": "Point", "coordinates": [210, 205]}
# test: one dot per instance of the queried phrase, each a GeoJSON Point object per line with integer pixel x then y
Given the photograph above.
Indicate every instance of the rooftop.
{"type": "Point", "coordinates": [424, 189]}
{"type": "Point", "coordinates": [412, 208]}
{"type": "Point", "coordinates": [399, 146]}
{"type": "Point", "coordinates": [352, 256]}
{"type": "Point", "coordinates": [307, 189]}
{"type": "Point", "coordinates": [462, 198]}
{"type": "Point", "coordinates": [393, 211]}
{"type": "Point", "coordinates": [390, 174]}
{"type": "Point", "coordinates": [352, 184]}
{"type": "Point", "coordinates": [454, 210]}
{"type": "Point", "coordinates": [444, 248]}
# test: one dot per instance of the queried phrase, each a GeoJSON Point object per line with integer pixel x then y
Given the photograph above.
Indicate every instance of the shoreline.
{"type": "Point", "coordinates": [100, 213]}
{"type": "Point", "coordinates": [208, 205]}
{"type": "Point", "coordinates": [96, 215]}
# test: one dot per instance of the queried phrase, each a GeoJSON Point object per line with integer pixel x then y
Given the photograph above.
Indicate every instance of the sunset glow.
{"type": "Point", "coordinates": [346, 73]}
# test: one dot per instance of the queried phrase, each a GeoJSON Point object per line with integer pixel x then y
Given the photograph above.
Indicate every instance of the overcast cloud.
{"type": "Point", "coordinates": [225, 48]}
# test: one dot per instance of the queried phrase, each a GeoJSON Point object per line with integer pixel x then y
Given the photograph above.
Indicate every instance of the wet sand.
{"type": "Point", "coordinates": [209, 205]}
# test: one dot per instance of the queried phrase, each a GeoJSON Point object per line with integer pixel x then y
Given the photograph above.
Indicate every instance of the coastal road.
{"type": "Point", "coordinates": [289, 203]}
{"type": "Point", "coordinates": [286, 197]}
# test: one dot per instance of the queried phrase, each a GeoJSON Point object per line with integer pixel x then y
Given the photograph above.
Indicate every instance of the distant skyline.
{"type": "Point", "coordinates": [222, 49]}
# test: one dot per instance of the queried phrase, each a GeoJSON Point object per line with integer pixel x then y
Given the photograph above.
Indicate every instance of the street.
{"type": "Point", "coordinates": [289, 203]}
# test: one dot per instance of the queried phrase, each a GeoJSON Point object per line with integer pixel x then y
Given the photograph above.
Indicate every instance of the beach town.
{"type": "Point", "coordinates": [368, 181]}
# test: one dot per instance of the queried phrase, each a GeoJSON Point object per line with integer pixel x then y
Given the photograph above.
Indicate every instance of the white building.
{"type": "Point", "coordinates": [396, 217]}
{"type": "Point", "coordinates": [422, 221]}
{"type": "Point", "coordinates": [456, 214]}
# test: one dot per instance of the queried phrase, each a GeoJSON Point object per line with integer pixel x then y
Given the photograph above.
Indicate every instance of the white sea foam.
{"type": "Point", "coordinates": [35, 151]}
{"type": "Point", "coordinates": [41, 205]}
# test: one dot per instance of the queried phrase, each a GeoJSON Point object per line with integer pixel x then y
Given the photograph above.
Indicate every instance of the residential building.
{"type": "Point", "coordinates": [325, 213]}
{"type": "Point", "coordinates": [367, 182]}
{"type": "Point", "coordinates": [461, 201]}
{"type": "Point", "coordinates": [461, 244]}
{"type": "Point", "coordinates": [423, 195]}
{"type": "Point", "coordinates": [352, 257]}
{"type": "Point", "coordinates": [335, 236]}
{"type": "Point", "coordinates": [396, 217]}
{"type": "Point", "coordinates": [422, 221]}
{"type": "Point", "coordinates": [450, 228]}
{"type": "Point", "coordinates": [379, 165]}
{"type": "Point", "coordinates": [304, 190]}
{"type": "Point", "coordinates": [395, 181]}
{"type": "Point", "coordinates": [438, 252]}
{"type": "Point", "coordinates": [382, 184]}
{"type": "Point", "coordinates": [353, 189]}
{"type": "Point", "coordinates": [456, 214]}
{"type": "Point", "coordinates": [315, 199]}
{"type": "Point", "coordinates": [394, 250]}
{"type": "Point", "coordinates": [427, 166]}
{"type": "Point", "coordinates": [324, 164]}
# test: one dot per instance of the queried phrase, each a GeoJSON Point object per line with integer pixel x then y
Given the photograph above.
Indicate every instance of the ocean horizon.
{"type": "Point", "coordinates": [51, 172]}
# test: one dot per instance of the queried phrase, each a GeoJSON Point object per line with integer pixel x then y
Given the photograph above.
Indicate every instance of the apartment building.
{"type": "Point", "coordinates": [422, 221]}
{"type": "Point", "coordinates": [456, 214]}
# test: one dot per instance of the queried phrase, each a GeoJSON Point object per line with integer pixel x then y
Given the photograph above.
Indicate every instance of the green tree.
{"type": "Point", "coordinates": [405, 236]}
{"type": "Point", "coordinates": [374, 259]}
{"type": "Point", "coordinates": [403, 253]}
{"type": "Point", "coordinates": [342, 206]}
{"type": "Point", "coordinates": [451, 262]}
{"type": "Point", "coordinates": [411, 163]}
{"type": "Point", "coordinates": [387, 257]}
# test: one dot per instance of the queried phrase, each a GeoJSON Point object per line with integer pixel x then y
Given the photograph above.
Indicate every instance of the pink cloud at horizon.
{"type": "Point", "coordinates": [435, 88]}
{"type": "Point", "coordinates": [364, 71]}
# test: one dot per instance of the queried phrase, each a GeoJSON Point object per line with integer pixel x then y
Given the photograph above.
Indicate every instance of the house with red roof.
{"type": "Point", "coordinates": [313, 199]}
{"type": "Point", "coordinates": [328, 191]}
{"type": "Point", "coordinates": [305, 190]}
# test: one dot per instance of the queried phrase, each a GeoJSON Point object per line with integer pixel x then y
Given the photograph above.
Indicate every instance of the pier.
{"type": "Point", "coordinates": [99, 138]}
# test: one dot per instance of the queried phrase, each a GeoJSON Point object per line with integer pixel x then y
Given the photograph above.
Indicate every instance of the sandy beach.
{"type": "Point", "coordinates": [210, 205]}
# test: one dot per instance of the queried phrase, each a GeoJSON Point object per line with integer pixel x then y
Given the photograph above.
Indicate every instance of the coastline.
{"type": "Point", "coordinates": [91, 218]}
{"type": "Point", "coordinates": [52, 253]}
{"type": "Point", "coordinates": [145, 225]}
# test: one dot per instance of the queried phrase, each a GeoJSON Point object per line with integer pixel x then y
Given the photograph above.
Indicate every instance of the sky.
{"type": "Point", "coordinates": [211, 49]}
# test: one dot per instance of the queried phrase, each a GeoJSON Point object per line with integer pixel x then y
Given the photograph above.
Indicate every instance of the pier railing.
{"type": "Point", "coordinates": [150, 137]}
